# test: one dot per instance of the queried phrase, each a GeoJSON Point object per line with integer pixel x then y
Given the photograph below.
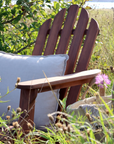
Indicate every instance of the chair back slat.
{"type": "Point", "coordinates": [54, 32]}
{"type": "Point", "coordinates": [77, 41]}
{"type": "Point", "coordinates": [41, 38]}
{"type": "Point", "coordinates": [88, 46]}
{"type": "Point", "coordinates": [67, 30]}
{"type": "Point", "coordinates": [75, 48]}
{"type": "Point", "coordinates": [84, 59]}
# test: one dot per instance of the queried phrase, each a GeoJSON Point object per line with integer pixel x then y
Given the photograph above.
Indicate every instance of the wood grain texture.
{"type": "Point", "coordinates": [60, 81]}
{"type": "Point", "coordinates": [42, 34]}
{"type": "Point", "coordinates": [72, 32]}
{"type": "Point", "coordinates": [75, 47]}
{"type": "Point", "coordinates": [27, 101]}
{"type": "Point", "coordinates": [77, 41]}
{"type": "Point", "coordinates": [88, 46]}
{"type": "Point", "coordinates": [54, 32]}
{"type": "Point", "coordinates": [67, 30]}
{"type": "Point", "coordinates": [84, 58]}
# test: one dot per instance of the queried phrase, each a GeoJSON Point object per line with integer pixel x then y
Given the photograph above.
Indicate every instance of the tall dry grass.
{"type": "Point", "coordinates": [103, 53]}
{"type": "Point", "coordinates": [104, 48]}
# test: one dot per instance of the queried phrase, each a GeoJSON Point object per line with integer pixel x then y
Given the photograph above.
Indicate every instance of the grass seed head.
{"type": "Point", "coordinates": [64, 120]}
{"type": "Point", "coordinates": [51, 117]}
{"type": "Point", "coordinates": [25, 111]}
{"type": "Point", "coordinates": [15, 124]}
{"type": "Point", "coordinates": [18, 110]}
{"type": "Point", "coordinates": [65, 129]}
{"type": "Point", "coordinates": [59, 125]}
{"type": "Point", "coordinates": [18, 79]}
{"type": "Point", "coordinates": [98, 117]}
{"type": "Point", "coordinates": [30, 127]}
{"type": "Point", "coordinates": [6, 130]}
{"type": "Point", "coordinates": [59, 117]}
{"type": "Point", "coordinates": [69, 128]}
{"type": "Point", "coordinates": [5, 138]}
{"type": "Point", "coordinates": [89, 117]}
{"type": "Point", "coordinates": [8, 117]}
{"type": "Point", "coordinates": [88, 132]}
{"type": "Point", "coordinates": [111, 121]}
{"type": "Point", "coordinates": [13, 115]}
{"type": "Point", "coordinates": [9, 107]}
{"type": "Point", "coordinates": [61, 130]}
{"type": "Point", "coordinates": [107, 112]}
{"type": "Point", "coordinates": [26, 114]}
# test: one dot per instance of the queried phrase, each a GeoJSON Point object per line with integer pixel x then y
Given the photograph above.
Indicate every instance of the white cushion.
{"type": "Point", "coordinates": [29, 68]}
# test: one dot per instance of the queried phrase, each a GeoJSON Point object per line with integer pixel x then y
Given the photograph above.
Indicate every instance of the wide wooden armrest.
{"type": "Point", "coordinates": [60, 81]}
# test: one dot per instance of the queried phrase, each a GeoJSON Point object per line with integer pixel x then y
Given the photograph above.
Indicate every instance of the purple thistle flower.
{"type": "Point", "coordinates": [102, 80]}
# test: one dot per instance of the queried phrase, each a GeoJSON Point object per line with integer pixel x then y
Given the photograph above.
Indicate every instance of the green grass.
{"type": "Point", "coordinates": [102, 58]}
{"type": "Point", "coordinates": [105, 48]}
{"type": "Point", "coordinates": [103, 52]}
{"type": "Point", "coordinates": [74, 129]}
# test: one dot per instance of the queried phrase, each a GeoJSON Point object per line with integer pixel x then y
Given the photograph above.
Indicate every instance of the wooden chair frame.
{"type": "Point", "coordinates": [76, 52]}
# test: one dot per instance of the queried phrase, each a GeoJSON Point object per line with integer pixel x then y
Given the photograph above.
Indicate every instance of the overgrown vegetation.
{"type": "Point", "coordinates": [103, 53]}
{"type": "Point", "coordinates": [19, 25]}
{"type": "Point", "coordinates": [75, 129]}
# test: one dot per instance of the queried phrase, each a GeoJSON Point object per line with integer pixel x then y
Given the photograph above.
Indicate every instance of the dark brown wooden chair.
{"type": "Point", "coordinates": [79, 56]}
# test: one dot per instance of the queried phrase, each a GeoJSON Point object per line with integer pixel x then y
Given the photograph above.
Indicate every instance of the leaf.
{"type": "Point", "coordinates": [7, 2]}
{"type": "Point", "coordinates": [35, 12]}
{"type": "Point", "coordinates": [5, 13]}
{"type": "Point", "coordinates": [56, 6]}
{"type": "Point", "coordinates": [29, 16]}
{"type": "Point", "coordinates": [19, 2]}
{"type": "Point", "coordinates": [34, 24]}
{"type": "Point", "coordinates": [49, 6]}
{"type": "Point", "coordinates": [1, 27]}
{"type": "Point", "coordinates": [1, 3]}
{"type": "Point", "coordinates": [48, 1]}
{"type": "Point", "coordinates": [43, 12]}
{"type": "Point", "coordinates": [26, 7]}
{"type": "Point", "coordinates": [13, 11]}
{"type": "Point", "coordinates": [64, 101]}
{"type": "Point", "coordinates": [4, 101]}
{"type": "Point", "coordinates": [7, 90]}
{"type": "Point", "coordinates": [23, 24]}
{"type": "Point", "coordinates": [27, 1]}
{"type": "Point", "coordinates": [88, 7]}
{"type": "Point", "coordinates": [17, 19]}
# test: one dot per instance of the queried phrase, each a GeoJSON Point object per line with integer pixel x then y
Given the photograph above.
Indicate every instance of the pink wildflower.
{"type": "Point", "coordinates": [102, 80]}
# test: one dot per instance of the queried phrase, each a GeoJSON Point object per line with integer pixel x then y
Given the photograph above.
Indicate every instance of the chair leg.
{"type": "Point", "coordinates": [27, 102]}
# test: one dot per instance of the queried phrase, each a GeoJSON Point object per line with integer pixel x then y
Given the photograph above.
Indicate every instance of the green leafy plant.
{"type": "Point", "coordinates": [20, 22]}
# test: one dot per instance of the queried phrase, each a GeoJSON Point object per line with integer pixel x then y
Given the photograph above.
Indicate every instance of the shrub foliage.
{"type": "Point", "coordinates": [20, 22]}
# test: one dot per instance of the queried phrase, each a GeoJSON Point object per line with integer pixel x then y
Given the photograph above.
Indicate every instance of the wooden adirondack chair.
{"type": "Point", "coordinates": [29, 90]}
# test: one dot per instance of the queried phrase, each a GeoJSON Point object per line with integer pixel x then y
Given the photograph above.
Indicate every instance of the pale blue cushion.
{"type": "Point", "coordinates": [29, 68]}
